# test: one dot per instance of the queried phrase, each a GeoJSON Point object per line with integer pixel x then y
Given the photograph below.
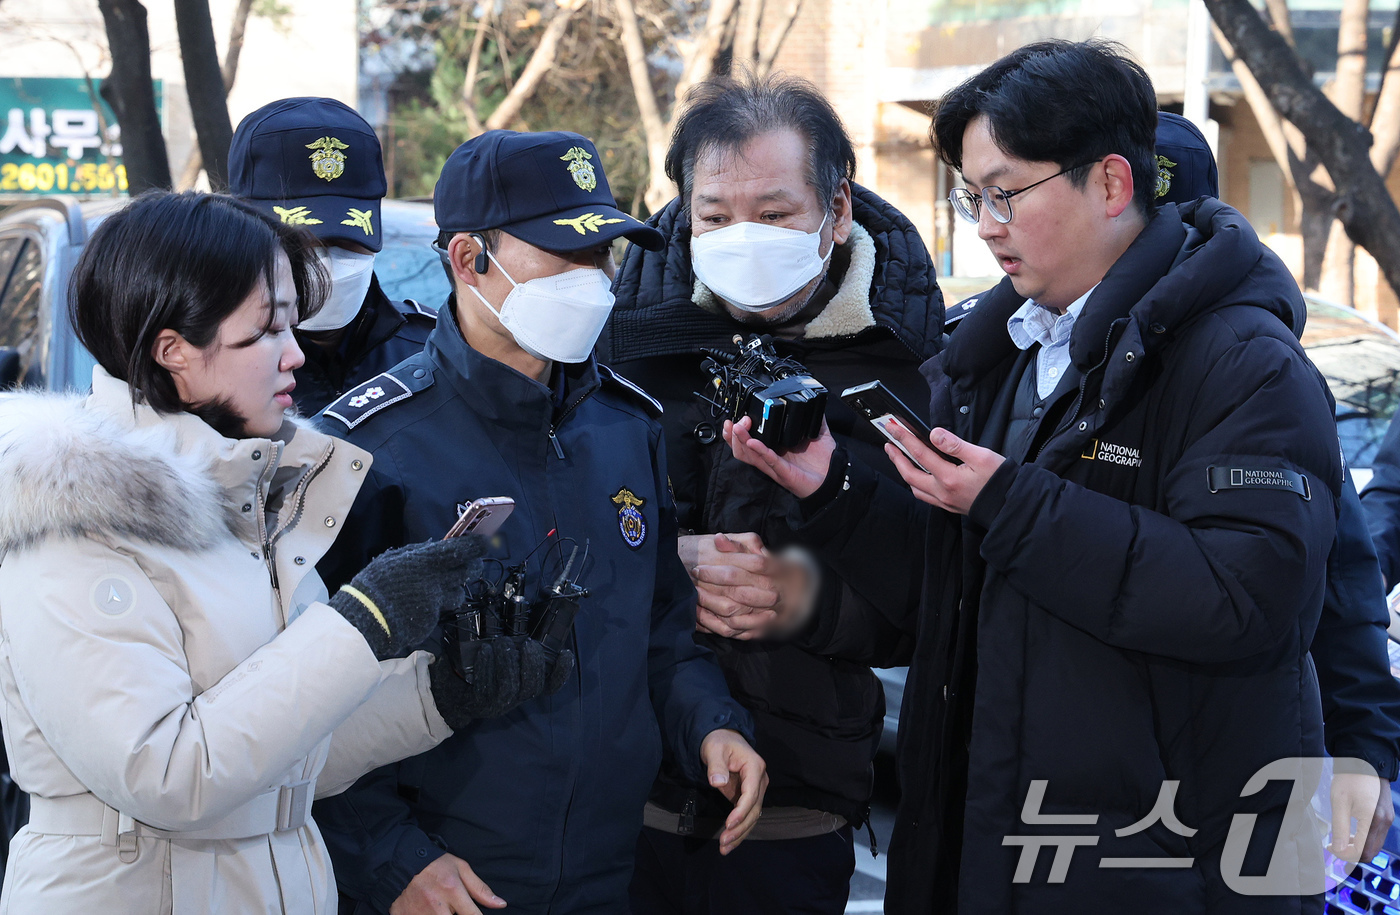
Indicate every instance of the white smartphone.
{"type": "Point", "coordinates": [484, 517]}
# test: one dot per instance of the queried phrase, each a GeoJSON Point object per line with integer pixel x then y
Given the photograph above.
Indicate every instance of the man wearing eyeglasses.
{"type": "Point", "coordinates": [1135, 475]}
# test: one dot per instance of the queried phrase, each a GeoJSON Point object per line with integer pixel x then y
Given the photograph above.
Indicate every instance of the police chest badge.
{"type": "Point", "coordinates": [327, 160]}
{"type": "Point", "coordinates": [629, 517]}
{"type": "Point", "coordinates": [580, 168]}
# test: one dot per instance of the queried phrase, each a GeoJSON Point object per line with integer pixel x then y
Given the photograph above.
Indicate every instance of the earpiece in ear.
{"type": "Point", "coordinates": [482, 263]}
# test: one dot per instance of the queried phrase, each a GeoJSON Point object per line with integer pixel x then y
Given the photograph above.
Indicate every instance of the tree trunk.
{"type": "Point", "coordinates": [195, 164]}
{"type": "Point", "coordinates": [1385, 117]}
{"type": "Point", "coordinates": [777, 36]}
{"type": "Point", "coordinates": [658, 185]}
{"type": "Point", "coordinates": [204, 85]}
{"type": "Point", "coordinates": [473, 68]}
{"type": "Point", "coordinates": [535, 69]}
{"type": "Point", "coordinates": [131, 94]}
{"type": "Point", "coordinates": [1364, 204]}
{"type": "Point", "coordinates": [746, 36]}
{"type": "Point", "coordinates": [701, 61]}
{"type": "Point", "coordinates": [1315, 222]}
{"type": "Point", "coordinates": [1348, 93]}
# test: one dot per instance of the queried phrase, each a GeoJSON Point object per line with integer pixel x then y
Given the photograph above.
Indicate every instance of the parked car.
{"type": "Point", "coordinates": [1359, 357]}
{"type": "Point", "coordinates": [39, 245]}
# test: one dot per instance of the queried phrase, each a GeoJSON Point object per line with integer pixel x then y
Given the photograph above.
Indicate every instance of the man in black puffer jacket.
{"type": "Point", "coordinates": [859, 302]}
{"type": "Point", "coordinates": [1121, 579]}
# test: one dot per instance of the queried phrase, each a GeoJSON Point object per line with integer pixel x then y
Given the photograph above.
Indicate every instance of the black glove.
{"type": "Point", "coordinates": [506, 671]}
{"type": "Point", "coordinates": [396, 599]}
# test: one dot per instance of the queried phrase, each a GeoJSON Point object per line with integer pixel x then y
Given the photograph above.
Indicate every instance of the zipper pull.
{"type": "Point", "coordinates": [686, 825]}
{"type": "Point", "coordinates": [870, 831]}
{"type": "Point", "coordinates": [558, 448]}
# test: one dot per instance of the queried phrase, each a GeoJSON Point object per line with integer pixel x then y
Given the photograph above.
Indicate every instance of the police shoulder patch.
{"type": "Point", "coordinates": [383, 390]}
{"type": "Point", "coordinates": [413, 307]}
{"type": "Point", "coordinates": [955, 313]}
{"type": "Point", "coordinates": [615, 382]}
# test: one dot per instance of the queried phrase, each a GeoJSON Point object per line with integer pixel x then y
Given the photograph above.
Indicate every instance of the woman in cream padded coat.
{"type": "Point", "coordinates": [176, 688]}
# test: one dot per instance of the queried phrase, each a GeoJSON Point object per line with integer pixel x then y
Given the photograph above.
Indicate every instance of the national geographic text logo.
{"type": "Point", "coordinates": [1113, 454]}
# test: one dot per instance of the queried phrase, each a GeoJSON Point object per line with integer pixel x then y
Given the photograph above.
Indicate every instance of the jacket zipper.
{"type": "Point", "coordinates": [273, 459]}
{"type": "Point", "coordinates": [299, 494]}
{"type": "Point", "coordinates": [1083, 386]}
{"type": "Point", "coordinates": [554, 426]}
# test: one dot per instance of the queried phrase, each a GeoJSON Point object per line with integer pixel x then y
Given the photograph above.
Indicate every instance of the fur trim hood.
{"type": "Point", "coordinates": [77, 466]}
{"type": "Point", "coordinates": [69, 468]}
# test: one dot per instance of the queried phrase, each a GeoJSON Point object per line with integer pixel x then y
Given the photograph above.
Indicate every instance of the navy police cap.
{"type": "Point", "coordinates": [1186, 168]}
{"type": "Point", "coordinates": [311, 162]}
{"type": "Point", "coordinates": [547, 189]}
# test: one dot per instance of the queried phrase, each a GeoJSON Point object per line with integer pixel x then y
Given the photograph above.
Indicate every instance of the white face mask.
{"type": "Point", "coordinates": [755, 266]}
{"type": "Point", "coordinates": [350, 274]}
{"type": "Point", "coordinates": [556, 317]}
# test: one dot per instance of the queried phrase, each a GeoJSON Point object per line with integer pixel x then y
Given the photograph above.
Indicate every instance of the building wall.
{"type": "Point", "coordinates": [313, 50]}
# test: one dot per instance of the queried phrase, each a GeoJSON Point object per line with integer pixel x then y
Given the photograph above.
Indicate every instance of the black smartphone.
{"type": "Point", "coordinates": [878, 404]}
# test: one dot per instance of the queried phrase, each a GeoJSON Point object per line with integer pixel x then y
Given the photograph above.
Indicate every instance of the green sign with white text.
{"type": "Point", "coordinates": [58, 136]}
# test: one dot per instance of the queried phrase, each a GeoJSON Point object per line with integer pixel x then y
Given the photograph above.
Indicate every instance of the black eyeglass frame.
{"type": "Point", "coordinates": [973, 212]}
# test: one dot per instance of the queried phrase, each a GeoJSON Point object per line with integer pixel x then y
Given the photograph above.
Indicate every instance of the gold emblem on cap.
{"type": "Point", "coordinates": [581, 169]}
{"type": "Point", "coordinates": [589, 221]}
{"type": "Point", "coordinates": [1164, 175]}
{"type": "Point", "coordinates": [360, 219]}
{"type": "Point", "coordinates": [327, 160]}
{"type": "Point", "coordinates": [296, 216]}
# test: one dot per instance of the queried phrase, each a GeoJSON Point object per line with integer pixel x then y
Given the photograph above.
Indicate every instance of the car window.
{"type": "Point", "coordinates": [19, 303]}
{"type": "Point", "coordinates": [1361, 363]}
{"type": "Point", "coordinates": [409, 269]}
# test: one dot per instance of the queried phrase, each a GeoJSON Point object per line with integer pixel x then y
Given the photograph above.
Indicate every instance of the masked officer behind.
{"type": "Point", "coordinates": [542, 805]}
{"type": "Point", "coordinates": [314, 162]}
{"type": "Point", "coordinates": [783, 243]}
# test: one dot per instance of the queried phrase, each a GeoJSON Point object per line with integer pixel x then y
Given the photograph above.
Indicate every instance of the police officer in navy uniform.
{"type": "Point", "coordinates": [539, 808]}
{"type": "Point", "coordinates": [314, 162]}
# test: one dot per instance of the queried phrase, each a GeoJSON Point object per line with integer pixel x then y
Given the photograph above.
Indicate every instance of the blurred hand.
{"type": "Point", "coordinates": [951, 487]}
{"type": "Point", "coordinates": [800, 471]}
{"type": "Point", "coordinates": [448, 885]}
{"type": "Point", "coordinates": [1366, 799]}
{"type": "Point", "coordinates": [742, 776]}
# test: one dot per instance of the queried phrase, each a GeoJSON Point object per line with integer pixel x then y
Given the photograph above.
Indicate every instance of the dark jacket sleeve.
{"type": "Point", "coordinates": [374, 841]}
{"type": "Point", "coordinates": [1360, 698]}
{"type": "Point", "coordinates": [1382, 503]}
{"type": "Point", "coordinates": [861, 524]}
{"type": "Point", "coordinates": [688, 690]}
{"type": "Point", "coordinates": [375, 844]}
{"type": "Point", "coordinates": [1220, 575]}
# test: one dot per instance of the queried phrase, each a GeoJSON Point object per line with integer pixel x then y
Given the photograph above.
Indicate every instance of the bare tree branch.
{"type": "Point", "coordinates": [195, 163]}
{"type": "Point", "coordinates": [1364, 204]}
{"type": "Point", "coordinates": [540, 62]}
{"type": "Point", "coordinates": [746, 35]}
{"type": "Point", "coordinates": [653, 126]}
{"type": "Point", "coordinates": [204, 84]}
{"type": "Point", "coordinates": [131, 94]}
{"type": "Point", "coordinates": [1282, 19]}
{"type": "Point", "coordinates": [701, 61]}
{"type": "Point", "coordinates": [777, 36]}
{"type": "Point", "coordinates": [1385, 117]}
{"type": "Point", "coordinates": [473, 68]}
{"type": "Point", "coordinates": [1348, 93]}
{"type": "Point", "coordinates": [235, 43]}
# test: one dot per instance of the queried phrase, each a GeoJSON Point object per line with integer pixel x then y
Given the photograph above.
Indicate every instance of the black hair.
{"type": "Point", "coordinates": [725, 112]}
{"type": "Point", "coordinates": [183, 262]}
{"type": "Point", "coordinates": [1065, 102]}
